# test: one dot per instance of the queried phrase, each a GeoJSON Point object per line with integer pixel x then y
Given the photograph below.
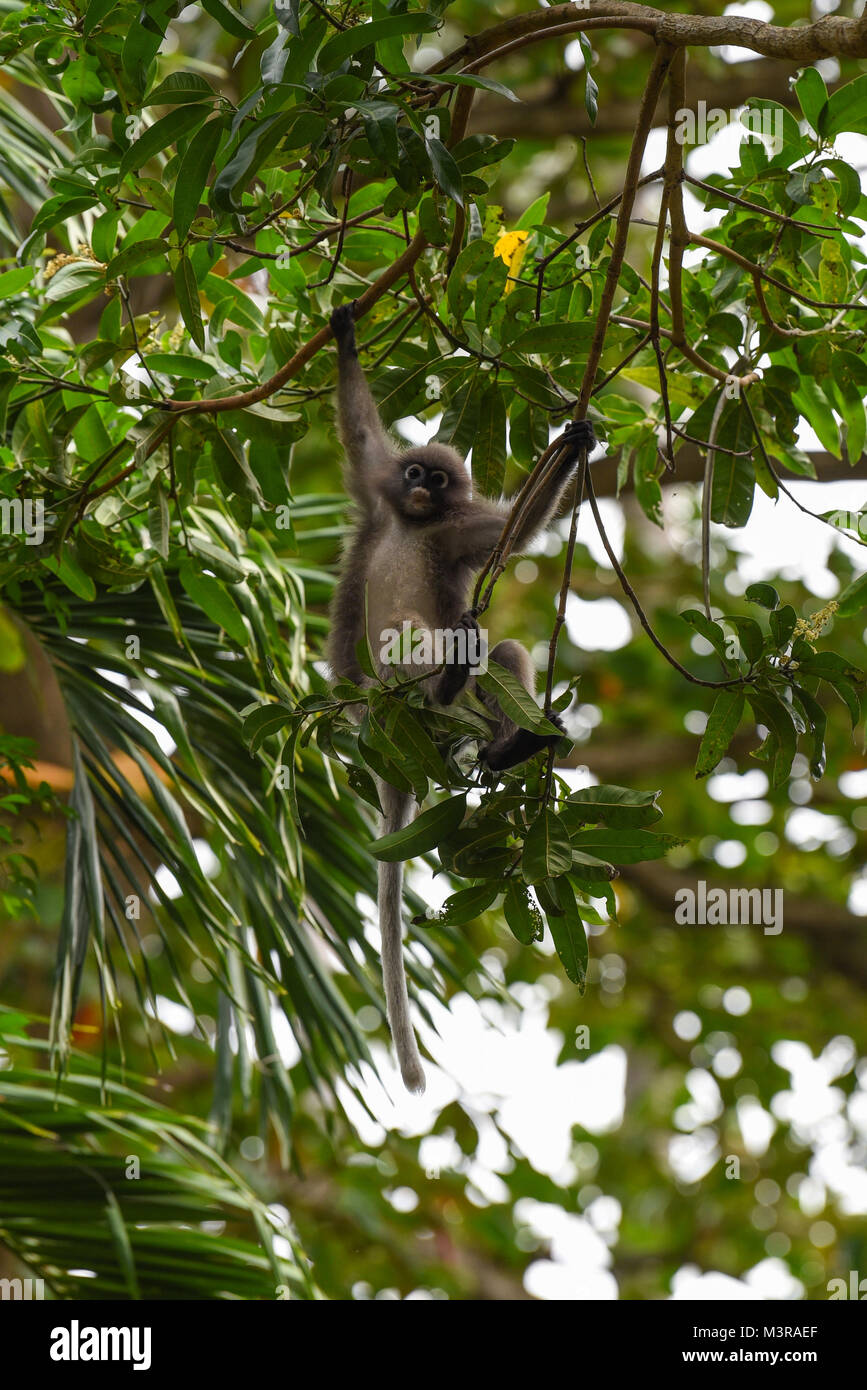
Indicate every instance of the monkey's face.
{"type": "Point", "coordinates": [424, 490]}
{"type": "Point", "coordinates": [431, 482]}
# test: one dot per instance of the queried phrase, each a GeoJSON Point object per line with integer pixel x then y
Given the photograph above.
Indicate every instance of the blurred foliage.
{"type": "Point", "coordinates": [176, 224]}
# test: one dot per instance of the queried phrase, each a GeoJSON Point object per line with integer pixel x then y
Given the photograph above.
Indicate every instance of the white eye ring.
{"type": "Point", "coordinates": [439, 479]}
{"type": "Point", "coordinates": [414, 473]}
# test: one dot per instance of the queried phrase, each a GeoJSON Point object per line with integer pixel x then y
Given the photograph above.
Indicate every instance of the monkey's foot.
{"type": "Point", "coordinates": [342, 323]}
{"type": "Point", "coordinates": [523, 744]}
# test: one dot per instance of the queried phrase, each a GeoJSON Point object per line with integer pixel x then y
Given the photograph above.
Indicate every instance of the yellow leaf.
{"type": "Point", "coordinates": [511, 248]}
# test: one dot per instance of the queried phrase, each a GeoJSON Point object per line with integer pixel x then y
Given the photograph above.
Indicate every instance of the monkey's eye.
{"type": "Point", "coordinates": [414, 473]}
{"type": "Point", "coordinates": [439, 479]}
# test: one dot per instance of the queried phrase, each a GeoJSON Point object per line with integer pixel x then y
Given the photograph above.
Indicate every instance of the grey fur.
{"type": "Point", "coordinates": [406, 563]}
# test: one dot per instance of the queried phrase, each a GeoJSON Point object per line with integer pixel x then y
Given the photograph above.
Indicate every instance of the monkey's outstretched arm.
{"type": "Point", "coordinates": [367, 446]}
{"type": "Point", "coordinates": [472, 538]}
{"type": "Point", "coordinates": [577, 436]}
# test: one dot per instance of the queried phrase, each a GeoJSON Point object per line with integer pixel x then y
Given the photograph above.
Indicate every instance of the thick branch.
{"type": "Point", "coordinates": [831, 36]}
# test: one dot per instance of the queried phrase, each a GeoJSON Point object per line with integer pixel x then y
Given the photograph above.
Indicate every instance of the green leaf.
{"type": "Point", "coordinates": [462, 907]}
{"type": "Point", "coordinates": [187, 294]}
{"type": "Point", "coordinates": [469, 264]}
{"type": "Point", "coordinates": [570, 340]}
{"type": "Point", "coordinates": [214, 600]}
{"type": "Point", "coordinates": [591, 89]}
{"type": "Point", "coordinates": [782, 742]}
{"type": "Point", "coordinates": [750, 636]}
{"type": "Point", "coordinates": [467, 79]}
{"type": "Point", "coordinates": [247, 159]}
{"type": "Point", "coordinates": [94, 13]}
{"type": "Point", "coordinates": [460, 417]}
{"type": "Point", "coordinates": [231, 460]}
{"type": "Point", "coordinates": [14, 280]}
{"type": "Point", "coordinates": [422, 834]}
{"type": "Point", "coordinates": [161, 135]}
{"type": "Point", "coordinates": [817, 720]}
{"type": "Point", "coordinates": [158, 519]}
{"type": "Point", "coordinates": [853, 598]}
{"type": "Point", "coordinates": [812, 95]}
{"type": "Point", "coordinates": [522, 915]}
{"type": "Point", "coordinates": [193, 173]}
{"type": "Point", "coordinates": [180, 364]}
{"type": "Point", "coordinates": [850, 184]}
{"type": "Point", "coordinates": [229, 19]}
{"type": "Point", "coordinates": [547, 848]}
{"type": "Point", "coordinates": [429, 222]}
{"type": "Point", "coordinates": [534, 214]}
{"type": "Point", "coordinates": [480, 852]}
{"type": "Point", "coordinates": [69, 571]}
{"type": "Point", "coordinates": [123, 1248]}
{"type": "Point", "coordinates": [568, 934]}
{"type": "Point", "coordinates": [489, 445]}
{"type": "Point", "coordinates": [404, 727]}
{"type": "Point", "coordinates": [514, 700]}
{"type": "Point", "coordinates": [136, 255]}
{"type": "Point", "coordinates": [732, 492]}
{"type": "Point", "coordinates": [722, 723]}
{"type": "Point", "coordinates": [846, 109]}
{"type": "Point", "coordinates": [763, 594]}
{"type": "Point", "coordinates": [623, 846]}
{"type": "Point", "coordinates": [343, 45]}
{"type": "Point", "coordinates": [180, 87]}
{"type": "Point", "coordinates": [844, 678]}
{"type": "Point", "coordinates": [446, 171]}
{"type": "Point", "coordinates": [614, 806]}
{"type": "Point", "coordinates": [782, 624]}
{"type": "Point", "coordinates": [710, 631]}
{"type": "Point", "coordinates": [364, 786]}
{"type": "Point", "coordinates": [265, 720]}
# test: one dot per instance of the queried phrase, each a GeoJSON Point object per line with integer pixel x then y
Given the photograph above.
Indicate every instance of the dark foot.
{"type": "Point", "coordinates": [577, 435]}
{"type": "Point", "coordinates": [523, 744]}
{"type": "Point", "coordinates": [456, 673]}
{"type": "Point", "coordinates": [343, 326]}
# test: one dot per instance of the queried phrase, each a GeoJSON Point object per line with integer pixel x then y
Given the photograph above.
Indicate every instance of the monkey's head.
{"type": "Point", "coordinates": [428, 482]}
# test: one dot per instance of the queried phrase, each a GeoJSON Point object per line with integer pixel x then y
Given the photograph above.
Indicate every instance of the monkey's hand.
{"type": "Point", "coordinates": [343, 327]}
{"type": "Point", "coordinates": [459, 661]}
{"type": "Point", "coordinates": [555, 720]}
{"type": "Point", "coordinates": [577, 435]}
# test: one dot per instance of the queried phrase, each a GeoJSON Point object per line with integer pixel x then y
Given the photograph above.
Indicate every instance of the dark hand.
{"type": "Point", "coordinates": [577, 435]}
{"type": "Point", "coordinates": [456, 673]}
{"type": "Point", "coordinates": [343, 326]}
{"type": "Point", "coordinates": [468, 622]}
{"type": "Point", "coordinates": [556, 721]}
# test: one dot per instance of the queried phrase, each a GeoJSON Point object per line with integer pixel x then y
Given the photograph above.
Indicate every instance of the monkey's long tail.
{"type": "Point", "coordinates": [396, 807]}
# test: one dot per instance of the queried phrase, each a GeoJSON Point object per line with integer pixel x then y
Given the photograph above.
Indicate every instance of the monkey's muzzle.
{"type": "Point", "coordinates": [419, 500]}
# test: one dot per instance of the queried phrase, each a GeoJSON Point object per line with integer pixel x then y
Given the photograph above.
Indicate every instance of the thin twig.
{"type": "Point", "coordinates": [706, 501]}
{"type": "Point", "coordinates": [634, 600]}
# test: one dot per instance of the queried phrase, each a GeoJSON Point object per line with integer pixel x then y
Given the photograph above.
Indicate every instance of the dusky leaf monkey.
{"type": "Point", "coordinates": [419, 536]}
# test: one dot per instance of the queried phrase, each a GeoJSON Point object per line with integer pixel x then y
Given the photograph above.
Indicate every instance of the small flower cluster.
{"type": "Point", "coordinates": [62, 258]}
